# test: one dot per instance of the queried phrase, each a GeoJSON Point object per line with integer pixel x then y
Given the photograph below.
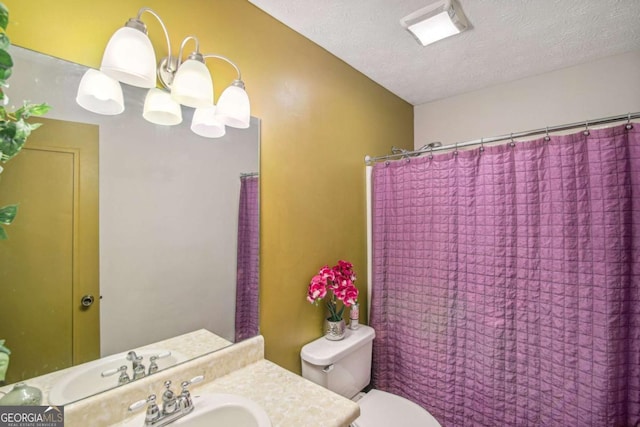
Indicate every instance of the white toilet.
{"type": "Point", "coordinates": [345, 367]}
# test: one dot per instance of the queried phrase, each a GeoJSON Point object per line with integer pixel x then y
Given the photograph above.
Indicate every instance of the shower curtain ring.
{"type": "Point", "coordinates": [481, 145]}
{"type": "Point", "coordinates": [430, 152]}
{"type": "Point", "coordinates": [629, 126]}
{"type": "Point", "coordinates": [547, 137]}
{"type": "Point", "coordinates": [586, 129]}
{"type": "Point", "coordinates": [512, 143]}
{"type": "Point", "coordinates": [455, 153]}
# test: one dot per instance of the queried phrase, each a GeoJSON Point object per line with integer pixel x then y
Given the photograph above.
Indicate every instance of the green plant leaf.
{"type": "Point", "coordinates": [3, 234]}
{"type": "Point", "coordinates": [4, 41]}
{"type": "Point", "coordinates": [5, 59]}
{"type": "Point", "coordinates": [6, 65]}
{"type": "Point", "coordinates": [40, 109]}
{"type": "Point", "coordinates": [5, 73]}
{"type": "Point", "coordinates": [12, 138]}
{"type": "Point", "coordinates": [23, 130]}
{"type": "Point", "coordinates": [28, 110]}
{"type": "Point", "coordinates": [4, 16]}
{"type": "Point", "coordinates": [8, 214]}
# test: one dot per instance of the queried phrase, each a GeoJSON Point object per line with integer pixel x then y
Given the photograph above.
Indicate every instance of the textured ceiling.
{"type": "Point", "coordinates": [509, 40]}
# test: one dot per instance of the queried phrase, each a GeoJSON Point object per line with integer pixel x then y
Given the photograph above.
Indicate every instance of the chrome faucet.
{"type": "Point", "coordinates": [133, 357]}
{"type": "Point", "coordinates": [173, 407]}
{"type": "Point", "coordinates": [169, 400]}
{"type": "Point", "coordinates": [138, 367]}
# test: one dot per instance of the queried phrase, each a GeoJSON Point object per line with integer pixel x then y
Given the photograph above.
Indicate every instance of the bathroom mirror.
{"type": "Point", "coordinates": [169, 208]}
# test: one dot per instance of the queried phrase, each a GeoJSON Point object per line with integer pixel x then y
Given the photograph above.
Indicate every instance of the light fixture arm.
{"type": "Point", "coordinates": [138, 24]}
{"type": "Point", "coordinates": [238, 82]}
{"type": "Point", "coordinates": [169, 65]}
{"type": "Point", "coordinates": [193, 55]}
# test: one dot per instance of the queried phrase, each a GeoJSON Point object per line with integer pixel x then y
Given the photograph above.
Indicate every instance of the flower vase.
{"type": "Point", "coordinates": [334, 331]}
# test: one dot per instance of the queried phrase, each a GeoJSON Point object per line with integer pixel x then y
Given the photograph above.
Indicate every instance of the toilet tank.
{"type": "Point", "coordinates": [341, 366]}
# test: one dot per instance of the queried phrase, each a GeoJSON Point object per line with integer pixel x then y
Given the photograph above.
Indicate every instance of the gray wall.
{"type": "Point", "coordinates": [602, 88]}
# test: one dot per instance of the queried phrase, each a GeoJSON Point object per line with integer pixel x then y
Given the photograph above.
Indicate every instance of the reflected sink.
{"type": "Point", "coordinates": [86, 380]}
{"type": "Point", "coordinates": [219, 410]}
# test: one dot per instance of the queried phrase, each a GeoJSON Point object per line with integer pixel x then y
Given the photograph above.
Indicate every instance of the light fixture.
{"type": "Point", "coordinates": [161, 109]}
{"type": "Point", "coordinates": [205, 123]}
{"type": "Point", "coordinates": [437, 21]}
{"type": "Point", "coordinates": [100, 93]}
{"type": "Point", "coordinates": [130, 58]}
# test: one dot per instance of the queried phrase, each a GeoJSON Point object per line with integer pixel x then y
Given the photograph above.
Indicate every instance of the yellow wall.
{"type": "Point", "coordinates": [319, 119]}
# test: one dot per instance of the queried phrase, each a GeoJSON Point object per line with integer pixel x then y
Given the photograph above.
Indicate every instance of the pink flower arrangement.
{"type": "Point", "coordinates": [339, 281]}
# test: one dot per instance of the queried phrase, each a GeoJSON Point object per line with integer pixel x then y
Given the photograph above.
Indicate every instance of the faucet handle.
{"type": "Point", "coordinates": [153, 365]}
{"type": "Point", "coordinates": [186, 403]}
{"type": "Point", "coordinates": [124, 377]}
{"type": "Point", "coordinates": [153, 411]}
{"type": "Point", "coordinates": [194, 380]}
{"type": "Point", "coordinates": [113, 371]}
{"type": "Point", "coordinates": [137, 405]}
{"type": "Point", "coordinates": [162, 355]}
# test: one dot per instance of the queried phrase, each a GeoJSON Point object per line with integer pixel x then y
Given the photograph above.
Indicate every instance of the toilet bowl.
{"type": "Point", "coordinates": [345, 367]}
{"type": "Point", "coordinates": [379, 408]}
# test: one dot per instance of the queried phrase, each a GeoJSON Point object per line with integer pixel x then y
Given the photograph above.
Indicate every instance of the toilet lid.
{"type": "Point", "coordinates": [382, 409]}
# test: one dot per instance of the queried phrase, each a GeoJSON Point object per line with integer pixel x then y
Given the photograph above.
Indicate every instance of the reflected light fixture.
{"type": "Point", "coordinates": [206, 123]}
{"type": "Point", "coordinates": [100, 93]}
{"type": "Point", "coordinates": [437, 21]}
{"type": "Point", "coordinates": [130, 58]}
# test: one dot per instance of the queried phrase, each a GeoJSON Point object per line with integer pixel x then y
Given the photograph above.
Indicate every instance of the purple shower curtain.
{"type": "Point", "coordinates": [248, 257]}
{"type": "Point", "coordinates": [506, 282]}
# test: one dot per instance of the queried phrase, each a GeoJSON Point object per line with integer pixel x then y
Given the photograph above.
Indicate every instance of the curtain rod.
{"type": "Point", "coordinates": [248, 174]}
{"type": "Point", "coordinates": [429, 148]}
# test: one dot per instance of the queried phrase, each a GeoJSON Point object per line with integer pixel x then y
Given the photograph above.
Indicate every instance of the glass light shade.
{"type": "Point", "coordinates": [436, 21]}
{"type": "Point", "coordinates": [100, 93]}
{"type": "Point", "coordinates": [160, 109]}
{"type": "Point", "coordinates": [192, 85]}
{"type": "Point", "coordinates": [435, 28]}
{"type": "Point", "coordinates": [234, 108]}
{"type": "Point", "coordinates": [206, 124]}
{"type": "Point", "coordinates": [129, 58]}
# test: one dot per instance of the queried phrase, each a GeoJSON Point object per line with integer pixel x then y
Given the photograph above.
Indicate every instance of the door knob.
{"type": "Point", "coordinates": [86, 300]}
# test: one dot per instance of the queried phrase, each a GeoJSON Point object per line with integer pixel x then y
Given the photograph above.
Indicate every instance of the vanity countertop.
{"type": "Point", "coordinates": [288, 399]}
{"type": "Point", "coordinates": [191, 345]}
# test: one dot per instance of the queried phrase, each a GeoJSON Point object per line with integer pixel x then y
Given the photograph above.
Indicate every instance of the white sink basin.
{"type": "Point", "coordinates": [224, 410]}
{"type": "Point", "coordinates": [86, 380]}
{"type": "Point", "coordinates": [219, 410]}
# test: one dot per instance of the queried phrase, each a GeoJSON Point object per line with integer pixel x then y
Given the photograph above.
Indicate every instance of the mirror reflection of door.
{"type": "Point", "coordinates": [51, 258]}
